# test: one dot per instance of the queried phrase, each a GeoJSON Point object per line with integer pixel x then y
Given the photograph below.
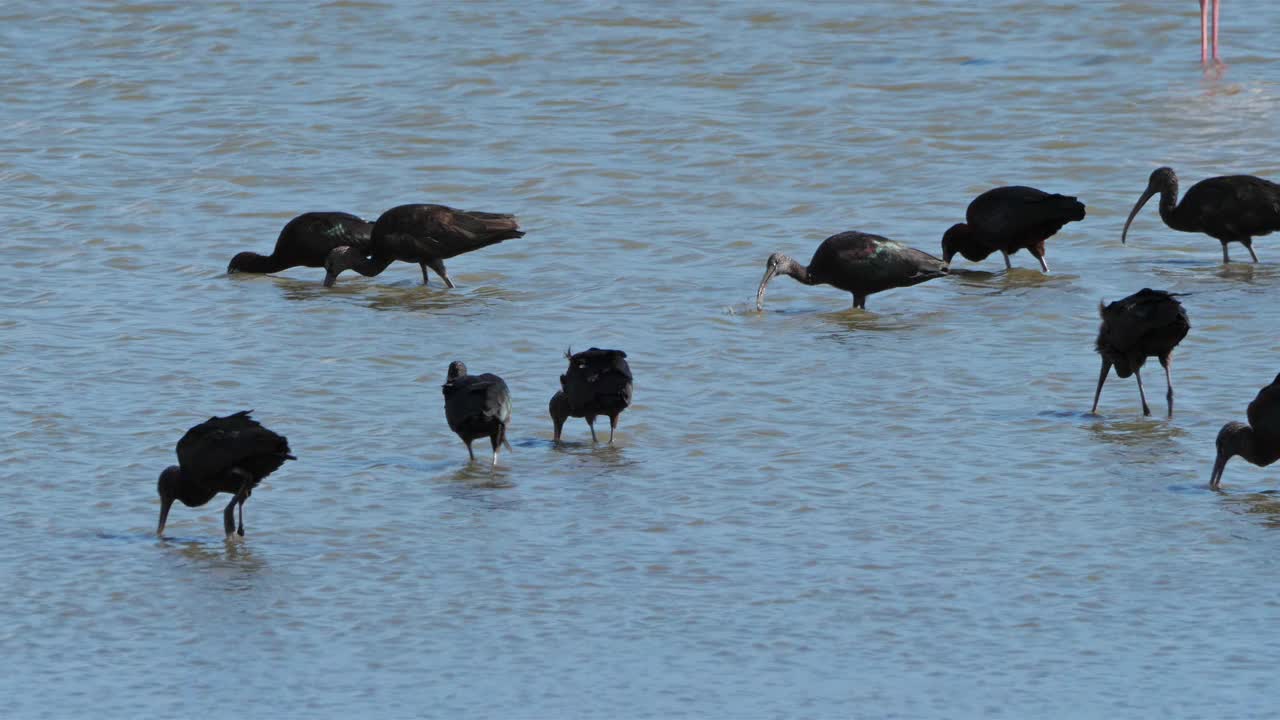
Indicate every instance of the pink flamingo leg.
{"type": "Point", "coordinates": [1217, 5]}
{"type": "Point", "coordinates": [1204, 32]}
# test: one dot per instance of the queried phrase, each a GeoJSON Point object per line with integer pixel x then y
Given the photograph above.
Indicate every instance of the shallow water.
{"type": "Point", "coordinates": [810, 511]}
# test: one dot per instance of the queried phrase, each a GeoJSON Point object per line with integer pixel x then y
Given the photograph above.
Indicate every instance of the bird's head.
{"type": "Point", "coordinates": [959, 239]}
{"type": "Point", "coordinates": [456, 370]}
{"type": "Point", "coordinates": [170, 481]}
{"type": "Point", "coordinates": [1162, 179]}
{"type": "Point", "coordinates": [240, 261]}
{"type": "Point", "coordinates": [1233, 439]}
{"type": "Point", "coordinates": [777, 264]}
{"type": "Point", "coordinates": [339, 259]}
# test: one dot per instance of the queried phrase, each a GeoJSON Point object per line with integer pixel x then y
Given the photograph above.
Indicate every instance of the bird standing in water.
{"type": "Point", "coordinates": [477, 406]}
{"type": "Point", "coordinates": [1148, 323]}
{"type": "Point", "coordinates": [223, 454]}
{"type": "Point", "coordinates": [424, 234]}
{"type": "Point", "coordinates": [1009, 219]}
{"type": "Point", "coordinates": [1259, 441]}
{"type": "Point", "coordinates": [1229, 208]}
{"type": "Point", "coordinates": [307, 240]}
{"type": "Point", "coordinates": [858, 263]}
{"type": "Point", "coordinates": [598, 382]}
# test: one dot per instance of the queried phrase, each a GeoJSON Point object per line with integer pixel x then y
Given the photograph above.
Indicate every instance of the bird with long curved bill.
{"type": "Point", "coordinates": [1148, 323]}
{"type": "Point", "coordinates": [858, 263]}
{"type": "Point", "coordinates": [1009, 219]}
{"type": "Point", "coordinates": [307, 240]}
{"type": "Point", "coordinates": [1258, 442]}
{"type": "Point", "coordinates": [221, 455]}
{"type": "Point", "coordinates": [1228, 208]}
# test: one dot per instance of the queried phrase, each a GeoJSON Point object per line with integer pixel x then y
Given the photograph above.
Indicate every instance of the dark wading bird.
{"type": "Point", "coordinates": [598, 382]}
{"type": "Point", "coordinates": [858, 263]}
{"type": "Point", "coordinates": [1230, 208]}
{"type": "Point", "coordinates": [1009, 219]}
{"type": "Point", "coordinates": [477, 406]}
{"type": "Point", "coordinates": [1259, 441]}
{"type": "Point", "coordinates": [424, 234]}
{"type": "Point", "coordinates": [223, 454]}
{"type": "Point", "coordinates": [307, 240]}
{"type": "Point", "coordinates": [1148, 323]}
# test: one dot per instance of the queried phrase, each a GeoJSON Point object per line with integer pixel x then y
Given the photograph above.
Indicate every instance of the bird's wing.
{"type": "Point", "coordinates": [1020, 210]}
{"type": "Point", "coordinates": [443, 232]}
{"type": "Point", "coordinates": [597, 373]}
{"type": "Point", "coordinates": [1264, 412]}
{"type": "Point", "coordinates": [1129, 320]}
{"type": "Point", "coordinates": [486, 395]}
{"type": "Point", "coordinates": [215, 446]}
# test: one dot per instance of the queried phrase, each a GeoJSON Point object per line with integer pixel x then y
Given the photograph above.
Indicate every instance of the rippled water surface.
{"type": "Point", "coordinates": [811, 511]}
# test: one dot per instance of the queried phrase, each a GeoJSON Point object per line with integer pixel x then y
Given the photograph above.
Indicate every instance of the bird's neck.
{"type": "Point", "coordinates": [789, 266]}
{"type": "Point", "coordinates": [371, 266]}
{"type": "Point", "coordinates": [1169, 205]}
{"type": "Point", "coordinates": [255, 263]}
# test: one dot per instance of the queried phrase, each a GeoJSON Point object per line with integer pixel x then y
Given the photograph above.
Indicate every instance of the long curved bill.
{"type": "Point", "coordinates": [1219, 465]}
{"type": "Point", "coordinates": [768, 275]}
{"type": "Point", "coordinates": [165, 504]}
{"type": "Point", "coordinates": [1146, 195]}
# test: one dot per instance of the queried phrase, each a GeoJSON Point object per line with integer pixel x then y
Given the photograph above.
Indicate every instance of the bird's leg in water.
{"type": "Point", "coordinates": [438, 266]}
{"type": "Point", "coordinates": [1145, 409]}
{"type": "Point", "coordinates": [1106, 368]}
{"type": "Point", "coordinates": [1038, 252]}
{"type": "Point", "coordinates": [591, 423]}
{"type": "Point", "coordinates": [613, 424]}
{"type": "Point", "coordinates": [1007, 265]}
{"type": "Point", "coordinates": [1226, 258]}
{"type": "Point", "coordinates": [469, 452]}
{"type": "Point", "coordinates": [229, 517]}
{"type": "Point", "coordinates": [1167, 362]}
{"type": "Point", "coordinates": [1249, 246]}
{"type": "Point", "coordinates": [860, 302]}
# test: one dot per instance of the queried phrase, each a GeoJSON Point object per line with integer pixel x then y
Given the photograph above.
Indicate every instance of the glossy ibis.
{"type": "Point", "coordinates": [1148, 323]}
{"type": "Point", "coordinates": [1230, 208]}
{"type": "Point", "coordinates": [223, 454]}
{"type": "Point", "coordinates": [1259, 441]}
{"type": "Point", "coordinates": [858, 263]}
{"type": "Point", "coordinates": [1009, 219]}
{"type": "Point", "coordinates": [425, 234]}
{"type": "Point", "coordinates": [1204, 31]}
{"type": "Point", "coordinates": [598, 382]}
{"type": "Point", "coordinates": [307, 240]}
{"type": "Point", "coordinates": [477, 406]}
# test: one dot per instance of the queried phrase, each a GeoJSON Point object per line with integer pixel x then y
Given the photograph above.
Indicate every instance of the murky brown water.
{"type": "Point", "coordinates": [809, 512]}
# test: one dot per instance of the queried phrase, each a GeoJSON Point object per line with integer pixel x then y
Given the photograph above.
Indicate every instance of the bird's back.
{"type": "Point", "coordinates": [419, 232]}
{"type": "Point", "coordinates": [308, 238]}
{"type": "Point", "coordinates": [209, 450]}
{"type": "Point", "coordinates": [863, 263]}
{"type": "Point", "coordinates": [1016, 216]}
{"type": "Point", "coordinates": [1147, 323]}
{"type": "Point", "coordinates": [1231, 207]}
{"type": "Point", "coordinates": [1264, 416]}
{"type": "Point", "coordinates": [597, 382]}
{"type": "Point", "coordinates": [475, 402]}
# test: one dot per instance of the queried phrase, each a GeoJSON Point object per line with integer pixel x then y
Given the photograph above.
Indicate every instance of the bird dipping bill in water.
{"type": "Point", "coordinates": [223, 454]}
{"type": "Point", "coordinates": [1009, 219]}
{"type": "Point", "coordinates": [1230, 208]}
{"type": "Point", "coordinates": [1148, 323]}
{"type": "Point", "coordinates": [307, 240]}
{"type": "Point", "coordinates": [425, 234]}
{"type": "Point", "coordinates": [1259, 441]}
{"type": "Point", "coordinates": [598, 382]}
{"type": "Point", "coordinates": [858, 263]}
{"type": "Point", "coordinates": [477, 406]}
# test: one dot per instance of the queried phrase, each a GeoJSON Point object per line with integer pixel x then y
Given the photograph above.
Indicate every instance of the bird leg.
{"type": "Point", "coordinates": [591, 423]}
{"type": "Point", "coordinates": [472, 454]}
{"type": "Point", "coordinates": [1167, 362]}
{"type": "Point", "coordinates": [1204, 32]}
{"type": "Point", "coordinates": [613, 424]}
{"type": "Point", "coordinates": [1106, 368]}
{"type": "Point", "coordinates": [859, 302]}
{"type": "Point", "coordinates": [229, 516]}
{"type": "Point", "coordinates": [437, 265]}
{"type": "Point", "coordinates": [1226, 258]}
{"type": "Point", "coordinates": [1145, 409]}
{"type": "Point", "coordinates": [1007, 265]}
{"type": "Point", "coordinates": [496, 440]}
{"type": "Point", "coordinates": [1249, 246]}
{"type": "Point", "coordinates": [1043, 265]}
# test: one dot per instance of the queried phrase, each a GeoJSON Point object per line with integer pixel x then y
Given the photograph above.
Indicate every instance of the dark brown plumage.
{"type": "Point", "coordinates": [1259, 441]}
{"type": "Point", "coordinates": [223, 454]}
{"type": "Point", "coordinates": [598, 382]}
{"type": "Point", "coordinates": [1009, 219]}
{"type": "Point", "coordinates": [1230, 208]}
{"type": "Point", "coordinates": [424, 234]}
{"type": "Point", "coordinates": [477, 406]}
{"type": "Point", "coordinates": [858, 263]}
{"type": "Point", "coordinates": [307, 241]}
{"type": "Point", "coordinates": [1148, 323]}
